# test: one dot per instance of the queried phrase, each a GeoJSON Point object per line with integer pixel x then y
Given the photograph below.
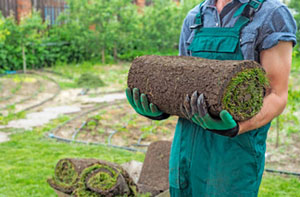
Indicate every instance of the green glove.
{"type": "Point", "coordinates": [196, 110]}
{"type": "Point", "coordinates": [141, 105]}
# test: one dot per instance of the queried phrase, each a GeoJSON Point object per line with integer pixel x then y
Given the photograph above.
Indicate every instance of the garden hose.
{"type": "Point", "coordinates": [51, 134]}
{"type": "Point", "coordinates": [78, 130]}
{"type": "Point", "coordinates": [282, 172]}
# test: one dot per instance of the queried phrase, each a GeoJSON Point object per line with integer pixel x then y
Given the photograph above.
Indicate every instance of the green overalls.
{"type": "Point", "coordinates": [206, 164]}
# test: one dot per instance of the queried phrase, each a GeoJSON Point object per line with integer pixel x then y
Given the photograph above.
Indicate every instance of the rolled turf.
{"type": "Point", "coordinates": [91, 177]}
{"type": "Point", "coordinates": [67, 174]}
{"type": "Point", "coordinates": [236, 86]}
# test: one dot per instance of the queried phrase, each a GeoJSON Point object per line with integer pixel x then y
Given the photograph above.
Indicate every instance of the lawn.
{"type": "Point", "coordinates": [29, 158]}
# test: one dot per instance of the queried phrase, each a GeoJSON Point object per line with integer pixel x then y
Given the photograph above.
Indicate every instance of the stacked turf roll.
{"type": "Point", "coordinates": [236, 86]}
{"type": "Point", "coordinates": [91, 177]}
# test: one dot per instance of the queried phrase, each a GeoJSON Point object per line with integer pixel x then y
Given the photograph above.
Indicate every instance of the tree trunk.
{"type": "Point", "coordinates": [115, 52]}
{"type": "Point", "coordinates": [237, 86]}
{"type": "Point", "coordinates": [24, 59]}
{"type": "Point", "coordinates": [103, 55]}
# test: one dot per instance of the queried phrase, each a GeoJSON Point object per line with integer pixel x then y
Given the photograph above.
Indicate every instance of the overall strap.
{"type": "Point", "coordinates": [198, 19]}
{"type": "Point", "coordinates": [250, 8]}
{"type": "Point", "coordinates": [246, 13]}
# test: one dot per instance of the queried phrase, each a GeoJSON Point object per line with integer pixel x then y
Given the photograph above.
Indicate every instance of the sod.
{"type": "Point", "coordinates": [236, 86]}
{"type": "Point", "coordinates": [91, 177]}
{"type": "Point", "coordinates": [67, 173]}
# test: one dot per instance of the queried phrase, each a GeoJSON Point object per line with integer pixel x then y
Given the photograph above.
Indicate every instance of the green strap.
{"type": "Point", "coordinates": [255, 4]}
{"type": "Point", "coordinates": [241, 22]}
{"type": "Point", "coordinates": [240, 10]}
{"type": "Point", "coordinates": [198, 20]}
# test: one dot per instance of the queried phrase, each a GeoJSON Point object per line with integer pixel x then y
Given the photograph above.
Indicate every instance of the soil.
{"type": "Point", "coordinates": [154, 177]}
{"type": "Point", "coordinates": [166, 80]}
{"type": "Point", "coordinates": [29, 85]}
{"type": "Point", "coordinates": [286, 156]}
{"type": "Point", "coordinates": [128, 126]}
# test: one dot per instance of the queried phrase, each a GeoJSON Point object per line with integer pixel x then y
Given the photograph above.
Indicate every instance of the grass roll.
{"type": "Point", "coordinates": [236, 86]}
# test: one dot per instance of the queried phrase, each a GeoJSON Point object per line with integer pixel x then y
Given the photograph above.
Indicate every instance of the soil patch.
{"type": "Point", "coordinates": [119, 125]}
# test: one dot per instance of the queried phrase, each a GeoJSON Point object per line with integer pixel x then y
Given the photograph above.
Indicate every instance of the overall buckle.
{"type": "Point", "coordinates": [196, 26]}
{"type": "Point", "coordinates": [256, 4]}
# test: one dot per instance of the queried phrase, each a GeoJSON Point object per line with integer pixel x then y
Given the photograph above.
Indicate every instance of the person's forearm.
{"type": "Point", "coordinates": [273, 106]}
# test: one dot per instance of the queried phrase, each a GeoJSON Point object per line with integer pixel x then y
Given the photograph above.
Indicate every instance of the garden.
{"type": "Point", "coordinates": [63, 94]}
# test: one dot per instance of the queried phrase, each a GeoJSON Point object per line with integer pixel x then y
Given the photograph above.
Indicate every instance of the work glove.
{"type": "Point", "coordinates": [140, 104]}
{"type": "Point", "coordinates": [195, 109]}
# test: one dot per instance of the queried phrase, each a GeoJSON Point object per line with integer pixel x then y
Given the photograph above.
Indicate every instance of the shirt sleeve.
{"type": "Point", "coordinates": [279, 26]}
{"type": "Point", "coordinates": [185, 34]}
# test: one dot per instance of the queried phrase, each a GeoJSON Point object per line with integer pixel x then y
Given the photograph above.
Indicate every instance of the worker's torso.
{"type": "Point", "coordinates": [250, 35]}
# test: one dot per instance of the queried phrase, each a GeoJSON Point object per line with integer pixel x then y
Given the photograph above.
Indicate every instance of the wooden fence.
{"type": "Point", "coordinates": [8, 7]}
{"type": "Point", "coordinates": [49, 9]}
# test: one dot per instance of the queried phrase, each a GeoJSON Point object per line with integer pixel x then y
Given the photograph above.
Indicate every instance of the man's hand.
{"type": "Point", "coordinates": [196, 110]}
{"type": "Point", "coordinates": [140, 103]}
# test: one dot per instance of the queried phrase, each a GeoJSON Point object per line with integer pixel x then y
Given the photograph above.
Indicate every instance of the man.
{"type": "Point", "coordinates": [222, 157]}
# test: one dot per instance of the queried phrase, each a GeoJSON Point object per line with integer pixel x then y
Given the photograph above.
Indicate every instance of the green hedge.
{"type": "Point", "coordinates": [98, 30]}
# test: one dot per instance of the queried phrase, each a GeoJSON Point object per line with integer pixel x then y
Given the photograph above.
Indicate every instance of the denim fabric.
{"type": "Point", "coordinates": [271, 24]}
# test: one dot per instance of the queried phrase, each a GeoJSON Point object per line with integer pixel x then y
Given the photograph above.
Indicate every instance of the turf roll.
{"type": "Point", "coordinates": [91, 177]}
{"type": "Point", "coordinates": [67, 174]}
{"type": "Point", "coordinates": [104, 179]}
{"type": "Point", "coordinates": [236, 86]}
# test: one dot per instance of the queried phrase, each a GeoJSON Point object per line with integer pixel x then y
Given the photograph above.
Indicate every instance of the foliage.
{"type": "Point", "coordinates": [28, 34]}
{"type": "Point", "coordinates": [88, 80]}
{"type": "Point", "coordinates": [295, 5]}
{"type": "Point", "coordinates": [93, 30]}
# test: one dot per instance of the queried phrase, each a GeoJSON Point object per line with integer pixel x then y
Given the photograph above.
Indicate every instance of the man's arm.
{"type": "Point", "coordinates": [277, 63]}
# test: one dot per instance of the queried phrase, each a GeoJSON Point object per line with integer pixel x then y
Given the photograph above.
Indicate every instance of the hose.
{"type": "Point", "coordinates": [51, 134]}
{"type": "Point", "coordinates": [282, 172]}
{"type": "Point", "coordinates": [77, 130]}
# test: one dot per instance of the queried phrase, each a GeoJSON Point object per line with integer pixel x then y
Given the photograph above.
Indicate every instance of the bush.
{"type": "Point", "coordinates": [93, 30]}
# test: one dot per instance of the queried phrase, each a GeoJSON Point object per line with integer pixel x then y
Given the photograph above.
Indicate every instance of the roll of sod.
{"type": "Point", "coordinates": [236, 86]}
{"type": "Point", "coordinates": [91, 177]}
{"type": "Point", "coordinates": [67, 173]}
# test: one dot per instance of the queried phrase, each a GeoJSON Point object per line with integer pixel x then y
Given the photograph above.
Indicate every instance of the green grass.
{"type": "Point", "coordinates": [29, 159]}
{"type": "Point", "coordinates": [277, 186]}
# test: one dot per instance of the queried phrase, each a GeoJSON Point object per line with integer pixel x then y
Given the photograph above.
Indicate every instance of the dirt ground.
{"type": "Point", "coordinates": [116, 124]}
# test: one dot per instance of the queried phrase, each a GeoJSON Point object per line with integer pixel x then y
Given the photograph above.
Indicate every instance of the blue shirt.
{"type": "Point", "coordinates": [271, 24]}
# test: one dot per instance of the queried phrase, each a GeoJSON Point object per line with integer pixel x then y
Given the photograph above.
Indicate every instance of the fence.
{"type": "Point", "coordinates": [8, 7]}
{"type": "Point", "coordinates": [50, 9]}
